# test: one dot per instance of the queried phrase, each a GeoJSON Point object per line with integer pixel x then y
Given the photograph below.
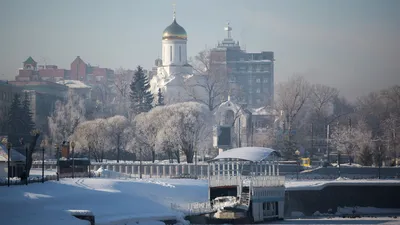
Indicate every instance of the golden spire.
{"type": "Point", "coordinates": [174, 8]}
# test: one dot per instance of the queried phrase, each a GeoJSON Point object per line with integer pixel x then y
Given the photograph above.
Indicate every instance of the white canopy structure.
{"type": "Point", "coordinates": [252, 154]}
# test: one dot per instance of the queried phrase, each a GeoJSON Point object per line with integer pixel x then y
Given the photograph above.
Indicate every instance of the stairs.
{"type": "Point", "coordinates": [245, 198]}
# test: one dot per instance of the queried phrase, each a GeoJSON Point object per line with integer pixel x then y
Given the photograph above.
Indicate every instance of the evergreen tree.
{"type": "Point", "coordinates": [140, 95]}
{"type": "Point", "coordinates": [15, 123]}
{"type": "Point", "coordinates": [27, 114]}
{"type": "Point", "coordinates": [160, 99]}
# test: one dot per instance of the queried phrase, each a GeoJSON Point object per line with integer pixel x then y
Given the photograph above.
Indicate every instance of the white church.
{"type": "Point", "coordinates": [173, 67]}
{"type": "Point", "coordinates": [234, 124]}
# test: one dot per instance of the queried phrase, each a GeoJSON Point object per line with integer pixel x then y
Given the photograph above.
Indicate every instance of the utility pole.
{"type": "Point", "coordinates": [312, 138]}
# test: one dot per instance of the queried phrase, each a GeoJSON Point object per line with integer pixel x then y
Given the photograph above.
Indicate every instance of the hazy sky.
{"type": "Point", "coordinates": [350, 44]}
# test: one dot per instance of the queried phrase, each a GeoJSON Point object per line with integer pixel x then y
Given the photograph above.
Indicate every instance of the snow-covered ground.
{"type": "Point", "coordinates": [319, 184]}
{"type": "Point", "coordinates": [339, 220]}
{"type": "Point", "coordinates": [123, 201]}
{"type": "Point", "coordinates": [112, 201]}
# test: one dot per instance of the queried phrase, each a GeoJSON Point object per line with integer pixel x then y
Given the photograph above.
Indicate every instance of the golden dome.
{"type": "Point", "coordinates": [174, 31]}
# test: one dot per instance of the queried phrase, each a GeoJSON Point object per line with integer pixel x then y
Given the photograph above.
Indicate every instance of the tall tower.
{"type": "Point", "coordinates": [174, 40]}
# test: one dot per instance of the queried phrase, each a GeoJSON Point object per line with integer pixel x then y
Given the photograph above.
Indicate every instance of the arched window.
{"type": "Point", "coordinates": [180, 54]}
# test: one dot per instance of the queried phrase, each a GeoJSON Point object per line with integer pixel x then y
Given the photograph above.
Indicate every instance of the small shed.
{"type": "Point", "coordinates": [80, 165]}
{"type": "Point", "coordinates": [17, 162]}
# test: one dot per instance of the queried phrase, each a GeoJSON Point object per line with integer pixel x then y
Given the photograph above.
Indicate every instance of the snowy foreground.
{"type": "Point", "coordinates": [129, 201]}
{"type": "Point", "coordinates": [112, 201]}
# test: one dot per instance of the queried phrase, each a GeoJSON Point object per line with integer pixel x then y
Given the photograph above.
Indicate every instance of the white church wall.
{"type": "Point", "coordinates": [174, 52]}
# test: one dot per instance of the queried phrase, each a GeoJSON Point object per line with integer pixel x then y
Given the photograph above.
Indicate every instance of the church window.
{"type": "Point", "coordinates": [170, 53]}
{"type": "Point", "coordinates": [180, 54]}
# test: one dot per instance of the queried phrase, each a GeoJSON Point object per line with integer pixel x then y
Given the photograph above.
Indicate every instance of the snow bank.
{"type": "Point", "coordinates": [110, 200]}
{"type": "Point", "coordinates": [297, 214]}
{"type": "Point", "coordinates": [320, 184]}
{"type": "Point", "coordinates": [366, 210]}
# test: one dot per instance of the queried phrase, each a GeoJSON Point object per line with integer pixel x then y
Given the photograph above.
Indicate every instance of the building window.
{"type": "Point", "coordinates": [170, 53]}
{"type": "Point", "coordinates": [258, 90]}
{"type": "Point", "coordinates": [180, 54]}
{"type": "Point", "coordinates": [258, 80]}
{"type": "Point", "coordinates": [258, 100]}
{"type": "Point", "coordinates": [232, 79]}
{"type": "Point", "coordinates": [265, 81]}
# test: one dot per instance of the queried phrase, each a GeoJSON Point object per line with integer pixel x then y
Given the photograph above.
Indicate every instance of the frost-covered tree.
{"type": "Point", "coordinates": [351, 139]}
{"type": "Point", "coordinates": [65, 118]}
{"type": "Point", "coordinates": [188, 127]}
{"type": "Point", "coordinates": [116, 128]}
{"type": "Point", "coordinates": [92, 136]}
{"type": "Point", "coordinates": [146, 126]}
{"type": "Point", "coordinates": [140, 95]}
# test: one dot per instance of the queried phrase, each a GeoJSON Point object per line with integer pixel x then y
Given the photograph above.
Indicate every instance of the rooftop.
{"type": "Point", "coordinates": [252, 154]}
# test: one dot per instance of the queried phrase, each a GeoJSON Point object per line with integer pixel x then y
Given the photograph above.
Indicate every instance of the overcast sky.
{"type": "Point", "coordinates": [352, 45]}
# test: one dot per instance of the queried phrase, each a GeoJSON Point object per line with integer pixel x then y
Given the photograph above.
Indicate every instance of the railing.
{"type": "Point", "coordinates": [156, 170]}
{"type": "Point", "coordinates": [255, 181]}
{"type": "Point", "coordinates": [192, 209]}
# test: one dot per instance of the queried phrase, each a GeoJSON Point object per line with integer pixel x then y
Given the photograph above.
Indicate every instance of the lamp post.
{"type": "Point", "coordinates": [58, 160]}
{"type": "Point", "coordinates": [24, 176]}
{"type": "Point", "coordinates": [43, 144]}
{"type": "Point", "coordinates": [140, 163]}
{"type": "Point", "coordinates": [338, 155]}
{"type": "Point", "coordinates": [297, 153]}
{"type": "Point", "coordinates": [73, 159]}
{"type": "Point", "coordinates": [195, 163]}
{"type": "Point", "coordinates": [90, 146]}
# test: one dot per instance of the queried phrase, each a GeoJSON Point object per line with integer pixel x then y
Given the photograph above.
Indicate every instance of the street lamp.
{"type": "Point", "coordinates": [297, 153]}
{"type": "Point", "coordinates": [42, 145]}
{"type": "Point", "coordinates": [90, 146]}
{"type": "Point", "coordinates": [338, 155]}
{"type": "Point", "coordinates": [140, 163]}
{"type": "Point", "coordinates": [8, 145]}
{"type": "Point", "coordinates": [58, 160]}
{"type": "Point", "coordinates": [73, 158]}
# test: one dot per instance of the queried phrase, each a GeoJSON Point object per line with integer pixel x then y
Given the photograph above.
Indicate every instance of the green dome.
{"type": "Point", "coordinates": [174, 31]}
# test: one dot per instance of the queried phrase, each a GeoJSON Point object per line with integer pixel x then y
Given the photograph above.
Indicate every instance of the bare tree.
{"type": "Point", "coordinates": [391, 133]}
{"type": "Point", "coordinates": [265, 139]}
{"type": "Point", "coordinates": [210, 83]}
{"type": "Point", "coordinates": [322, 98]}
{"type": "Point", "coordinates": [392, 98]}
{"type": "Point", "coordinates": [121, 88]}
{"type": "Point", "coordinates": [65, 118]}
{"type": "Point", "coordinates": [291, 97]}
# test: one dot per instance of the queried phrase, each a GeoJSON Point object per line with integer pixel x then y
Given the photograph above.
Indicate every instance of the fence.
{"type": "Point", "coordinates": [192, 209]}
{"type": "Point", "coordinates": [149, 170]}
{"type": "Point", "coordinates": [38, 179]}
